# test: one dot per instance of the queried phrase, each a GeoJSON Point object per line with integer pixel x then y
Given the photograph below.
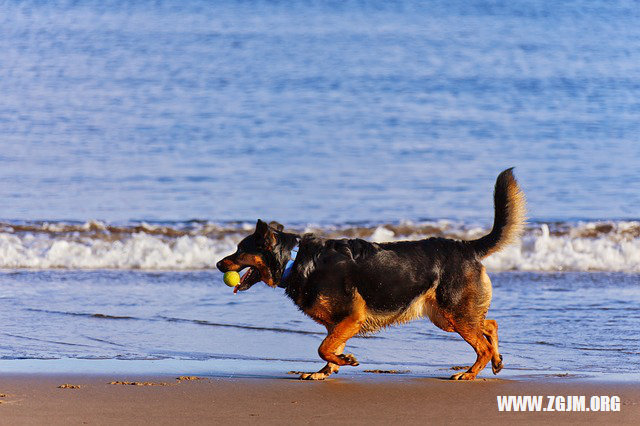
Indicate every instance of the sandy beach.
{"type": "Point", "coordinates": [381, 399]}
{"type": "Point", "coordinates": [141, 141]}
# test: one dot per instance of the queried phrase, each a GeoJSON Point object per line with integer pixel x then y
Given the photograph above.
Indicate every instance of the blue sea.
{"type": "Point", "coordinates": [140, 141]}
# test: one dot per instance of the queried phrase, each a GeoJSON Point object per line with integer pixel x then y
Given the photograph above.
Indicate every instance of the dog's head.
{"type": "Point", "coordinates": [265, 252]}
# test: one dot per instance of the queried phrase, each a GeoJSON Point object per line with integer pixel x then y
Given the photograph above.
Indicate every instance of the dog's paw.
{"type": "Point", "coordinates": [463, 376]}
{"type": "Point", "coordinates": [497, 367]}
{"type": "Point", "coordinates": [314, 376]}
{"type": "Point", "coordinates": [348, 359]}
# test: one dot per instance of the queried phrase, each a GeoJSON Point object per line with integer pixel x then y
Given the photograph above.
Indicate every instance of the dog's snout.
{"type": "Point", "coordinates": [220, 266]}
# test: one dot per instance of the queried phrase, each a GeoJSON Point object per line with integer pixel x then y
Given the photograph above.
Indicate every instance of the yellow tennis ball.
{"type": "Point", "coordinates": [231, 278]}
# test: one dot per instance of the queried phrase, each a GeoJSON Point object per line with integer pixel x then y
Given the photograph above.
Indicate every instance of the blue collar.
{"type": "Point", "coordinates": [289, 267]}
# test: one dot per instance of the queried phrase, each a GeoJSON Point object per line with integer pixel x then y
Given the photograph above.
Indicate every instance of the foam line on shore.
{"type": "Point", "coordinates": [196, 245]}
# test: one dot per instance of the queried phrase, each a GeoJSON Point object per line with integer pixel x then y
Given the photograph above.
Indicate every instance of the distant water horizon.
{"type": "Point", "coordinates": [314, 112]}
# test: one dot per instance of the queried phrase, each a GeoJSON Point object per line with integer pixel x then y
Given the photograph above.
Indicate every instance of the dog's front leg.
{"type": "Point", "coordinates": [329, 349]}
{"type": "Point", "coordinates": [332, 346]}
{"type": "Point", "coordinates": [324, 372]}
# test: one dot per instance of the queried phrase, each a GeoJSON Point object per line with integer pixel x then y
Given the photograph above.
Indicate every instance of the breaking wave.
{"type": "Point", "coordinates": [557, 246]}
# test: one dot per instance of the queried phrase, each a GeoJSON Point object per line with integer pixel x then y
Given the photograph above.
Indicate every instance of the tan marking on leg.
{"type": "Point", "coordinates": [490, 327]}
{"type": "Point", "coordinates": [490, 332]}
{"type": "Point", "coordinates": [483, 350]}
{"type": "Point", "coordinates": [438, 316]}
{"type": "Point", "coordinates": [325, 371]}
{"type": "Point", "coordinates": [487, 291]}
{"type": "Point", "coordinates": [341, 332]}
{"type": "Point", "coordinates": [469, 321]}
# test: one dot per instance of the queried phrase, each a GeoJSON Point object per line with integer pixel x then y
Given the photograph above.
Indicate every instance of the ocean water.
{"type": "Point", "coordinates": [574, 324]}
{"type": "Point", "coordinates": [141, 140]}
{"type": "Point", "coordinates": [322, 112]}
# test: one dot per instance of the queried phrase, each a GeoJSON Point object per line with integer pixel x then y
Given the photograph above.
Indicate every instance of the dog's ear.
{"type": "Point", "coordinates": [262, 229]}
{"type": "Point", "coordinates": [265, 235]}
{"type": "Point", "coordinates": [277, 226]}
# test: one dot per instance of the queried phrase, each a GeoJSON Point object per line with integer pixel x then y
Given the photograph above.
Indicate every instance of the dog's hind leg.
{"type": "Point", "coordinates": [475, 337]}
{"type": "Point", "coordinates": [490, 332]}
{"type": "Point", "coordinates": [470, 323]}
{"type": "Point", "coordinates": [325, 371]}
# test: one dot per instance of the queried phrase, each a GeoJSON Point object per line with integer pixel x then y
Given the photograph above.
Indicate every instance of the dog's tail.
{"type": "Point", "coordinates": [509, 220]}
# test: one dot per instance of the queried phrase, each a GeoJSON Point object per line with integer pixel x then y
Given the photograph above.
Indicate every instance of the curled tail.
{"type": "Point", "coordinates": [510, 210]}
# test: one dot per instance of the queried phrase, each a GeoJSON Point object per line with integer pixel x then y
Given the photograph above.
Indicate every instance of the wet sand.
{"type": "Point", "coordinates": [381, 399]}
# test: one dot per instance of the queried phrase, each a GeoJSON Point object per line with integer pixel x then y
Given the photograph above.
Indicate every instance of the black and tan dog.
{"type": "Point", "coordinates": [352, 286]}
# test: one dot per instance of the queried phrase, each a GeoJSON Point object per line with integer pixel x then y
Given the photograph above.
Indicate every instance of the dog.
{"type": "Point", "coordinates": [352, 286]}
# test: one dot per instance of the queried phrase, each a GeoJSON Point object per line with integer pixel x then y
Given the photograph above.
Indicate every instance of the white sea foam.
{"type": "Point", "coordinates": [545, 252]}
{"type": "Point", "coordinates": [591, 246]}
{"type": "Point", "coordinates": [138, 251]}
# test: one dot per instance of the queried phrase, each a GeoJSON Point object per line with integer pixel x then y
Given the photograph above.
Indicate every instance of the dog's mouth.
{"type": "Point", "coordinates": [249, 278]}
